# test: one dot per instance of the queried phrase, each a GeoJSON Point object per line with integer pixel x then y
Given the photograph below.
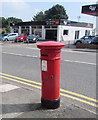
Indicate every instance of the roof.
{"type": "Point", "coordinates": [28, 23]}
{"type": "Point", "coordinates": [54, 22]}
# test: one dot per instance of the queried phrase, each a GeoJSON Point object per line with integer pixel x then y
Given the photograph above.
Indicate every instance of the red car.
{"type": "Point", "coordinates": [21, 38]}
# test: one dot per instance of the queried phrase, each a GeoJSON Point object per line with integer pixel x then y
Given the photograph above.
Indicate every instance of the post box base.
{"type": "Point", "coordinates": [50, 104]}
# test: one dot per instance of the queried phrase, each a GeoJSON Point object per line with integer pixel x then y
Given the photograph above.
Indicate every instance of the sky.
{"type": "Point", "coordinates": [26, 9]}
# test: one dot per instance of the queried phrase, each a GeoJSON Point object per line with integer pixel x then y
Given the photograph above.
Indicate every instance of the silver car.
{"type": "Point", "coordinates": [10, 36]}
{"type": "Point", "coordinates": [82, 39]}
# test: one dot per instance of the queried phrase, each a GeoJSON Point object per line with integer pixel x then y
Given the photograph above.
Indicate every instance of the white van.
{"type": "Point", "coordinates": [10, 36]}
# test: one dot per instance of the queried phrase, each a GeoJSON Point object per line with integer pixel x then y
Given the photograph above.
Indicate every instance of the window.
{"type": "Point", "coordinates": [76, 34]}
{"type": "Point", "coordinates": [10, 35]}
{"type": "Point", "coordinates": [65, 32]}
{"type": "Point", "coordinates": [13, 34]}
{"type": "Point", "coordinates": [87, 32]}
{"type": "Point", "coordinates": [38, 32]}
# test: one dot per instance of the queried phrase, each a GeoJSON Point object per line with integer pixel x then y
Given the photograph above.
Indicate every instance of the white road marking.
{"type": "Point", "coordinates": [19, 54]}
{"type": "Point", "coordinates": [62, 59]}
{"type": "Point", "coordinates": [7, 87]}
{"type": "Point", "coordinates": [80, 62]}
{"type": "Point", "coordinates": [32, 48]}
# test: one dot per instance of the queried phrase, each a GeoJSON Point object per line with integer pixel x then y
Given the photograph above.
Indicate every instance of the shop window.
{"type": "Point", "coordinates": [65, 32]}
{"type": "Point", "coordinates": [38, 32]}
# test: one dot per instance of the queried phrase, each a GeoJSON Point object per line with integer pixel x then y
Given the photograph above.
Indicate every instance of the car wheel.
{"type": "Point", "coordinates": [15, 40]}
{"type": "Point", "coordinates": [78, 42]}
{"type": "Point", "coordinates": [27, 41]}
{"type": "Point", "coordinates": [35, 41]}
{"type": "Point", "coordinates": [5, 40]}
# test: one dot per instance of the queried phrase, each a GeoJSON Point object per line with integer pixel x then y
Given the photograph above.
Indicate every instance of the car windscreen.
{"type": "Point", "coordinates": [4, 34]}
{"type": "Point", "coordinates": [31, 36]}
{"type": "Point", "coordinates": [95, 39]}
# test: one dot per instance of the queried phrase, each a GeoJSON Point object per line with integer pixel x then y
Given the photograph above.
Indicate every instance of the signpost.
{"type": "Point", "coordinates": [90, 9]}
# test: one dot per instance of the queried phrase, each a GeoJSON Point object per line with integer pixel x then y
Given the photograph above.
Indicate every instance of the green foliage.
{"type": "Point", "coordinates": [8, 28]}
{"type": "Point", "coordinates": [13, 20]}
{"type": "Point", "coordinates": [56, 12]}
{"type": "Point", "coordinates": [39, 16]}
{"type": "Point", "coordinates": [3, 32]}
{"type": "Point", "coordinates": [5, 22]}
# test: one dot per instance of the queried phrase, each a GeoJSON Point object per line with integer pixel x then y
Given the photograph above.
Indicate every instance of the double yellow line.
{"type": "Point", "coordinates": [66, 93]}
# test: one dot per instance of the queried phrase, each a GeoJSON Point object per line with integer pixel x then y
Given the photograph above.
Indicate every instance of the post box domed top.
{"type": "Point", "coordinates": [50, 45]}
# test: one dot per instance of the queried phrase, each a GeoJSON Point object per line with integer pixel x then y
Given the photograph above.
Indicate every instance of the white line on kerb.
{"type": "Point", "coordinates": [61, 59]}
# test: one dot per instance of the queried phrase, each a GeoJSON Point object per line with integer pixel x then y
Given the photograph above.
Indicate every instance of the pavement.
{"type": "Point", "coordinates": [19, 102]}
{"type": "Point", "coordinates": [73, 48]}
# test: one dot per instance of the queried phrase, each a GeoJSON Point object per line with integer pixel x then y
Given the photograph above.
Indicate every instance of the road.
{"type": "Point", "coordinates": [78, 71]}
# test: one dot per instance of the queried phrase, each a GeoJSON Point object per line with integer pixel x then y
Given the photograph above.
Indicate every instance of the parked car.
{"type": "Point", "coordinates": [92, 41]}
{"type": "Point", "coordinates": [31, 39]}
{"type": "Point", "coordinates": [82, 39]}
{"type": "Point", "coordinates": [21, 38]}
{"type": "Point", "coordinates": [3, 35]}
{"type": "Point", "coordinates": [10, 36]}
{"type": "Point", "coordinates": [0, 37]}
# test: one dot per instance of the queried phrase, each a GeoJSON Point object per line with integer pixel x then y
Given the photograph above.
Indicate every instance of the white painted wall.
{"type": "Point", "coordinates": [96, 26]}
{"type": "Point", "coordinates": [19, 30]}
{"type": "Point", "coordinates": [30, 30]}
{"type": "Point", "coordinates": [43, 32]}
{"type": "Point", "coordinates": [71, 32]}
{"type": "Point", "coordinates": [96, 23]}
{"type": "Point", "coordinates": [11, 29]}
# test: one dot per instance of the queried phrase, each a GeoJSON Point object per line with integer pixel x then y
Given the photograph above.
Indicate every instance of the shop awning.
{"type": "Point", "coordinates": [90, 9]}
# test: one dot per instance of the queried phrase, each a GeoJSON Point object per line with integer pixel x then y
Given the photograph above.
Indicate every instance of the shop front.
{"type": "Point", "coordinates": [55, 30]}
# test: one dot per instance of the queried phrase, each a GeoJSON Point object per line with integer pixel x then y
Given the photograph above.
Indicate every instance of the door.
{"type": "Point", "coordinates": [51, 35]}
{"type": "Point", "coordinates": [77, 34]}
{"type": "Point", "coordinates": [11, 36]}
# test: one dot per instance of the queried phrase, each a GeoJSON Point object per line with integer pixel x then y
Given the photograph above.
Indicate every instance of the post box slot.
{"type": "Point", "coordinates": [43, 55]}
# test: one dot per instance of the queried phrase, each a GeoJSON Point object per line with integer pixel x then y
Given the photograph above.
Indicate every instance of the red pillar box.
{"type": "Point", "coordinates": [50, 70]}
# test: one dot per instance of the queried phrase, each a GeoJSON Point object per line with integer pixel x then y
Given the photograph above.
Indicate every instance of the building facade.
{"type": "Point", "coordinates": [58, 30]}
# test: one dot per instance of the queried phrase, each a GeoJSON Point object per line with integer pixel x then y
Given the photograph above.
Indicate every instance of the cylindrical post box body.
{"type": "Point", "coordinates": [50, 70]}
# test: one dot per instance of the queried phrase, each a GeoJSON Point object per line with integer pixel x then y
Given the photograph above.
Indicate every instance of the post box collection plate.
{"type": "Point", "coordinates": [44, 65]}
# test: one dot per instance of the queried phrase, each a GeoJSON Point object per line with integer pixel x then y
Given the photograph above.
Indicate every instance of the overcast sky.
{"type": "Point", "coordinates": [26, 9]}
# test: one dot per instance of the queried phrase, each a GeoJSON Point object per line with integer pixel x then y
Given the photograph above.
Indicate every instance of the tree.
{"type": "Point", "coordinates": [5, 22]}
{"type": "Point", "coordinates": [13, 20]}
{"type": "Point", "coordinates": [56, 12]}
{"type": "Point", "coordinates": [8, 28]}
{"type": "Point", "coordinates": [39, 16]}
